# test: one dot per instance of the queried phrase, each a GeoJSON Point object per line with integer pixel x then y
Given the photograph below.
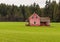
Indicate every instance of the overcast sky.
{"type": "Point", "coordinates": [25, 2]}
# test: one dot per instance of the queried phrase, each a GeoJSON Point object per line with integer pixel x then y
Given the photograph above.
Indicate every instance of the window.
{"type": "Point", "coordinates": [34, 22]}
{"type": "Point", "coordinates": [36, 17]}
{"type": "Point", "coordinates": [32, 17]}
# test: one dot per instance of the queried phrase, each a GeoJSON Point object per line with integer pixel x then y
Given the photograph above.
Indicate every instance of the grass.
{"type": "Point", "coordinates": [18, 32]}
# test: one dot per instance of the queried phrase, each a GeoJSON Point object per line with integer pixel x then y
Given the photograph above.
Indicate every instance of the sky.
{"type": "Point", "coordinates": [25, 2]}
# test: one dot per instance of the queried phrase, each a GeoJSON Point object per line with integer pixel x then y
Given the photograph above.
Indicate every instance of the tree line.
{"type": "Point", "coordinates": [22, 12]}
{"type": "Point", "coordinates": [53, 11]}
{"type": "Point", "coordinates": [17, 13]}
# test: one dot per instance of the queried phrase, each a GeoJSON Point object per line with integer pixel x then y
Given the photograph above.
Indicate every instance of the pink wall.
{"type": "Point", "coordinates": [37, 20]}
{"type": "Point", "coordinates": [34, 19]}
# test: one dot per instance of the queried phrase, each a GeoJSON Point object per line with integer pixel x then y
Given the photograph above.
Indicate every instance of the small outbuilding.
{"type": "Point", "coordinates": [44, 21]}
{"type": "Point", "coordinates": [35, 20]}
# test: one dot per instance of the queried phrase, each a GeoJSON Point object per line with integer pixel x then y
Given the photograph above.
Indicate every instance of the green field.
{"type": "Point", "coordinates": [18, 32]}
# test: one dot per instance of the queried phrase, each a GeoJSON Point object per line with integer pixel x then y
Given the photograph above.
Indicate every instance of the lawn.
{"type": "Point", "coordinates": [18, 32]}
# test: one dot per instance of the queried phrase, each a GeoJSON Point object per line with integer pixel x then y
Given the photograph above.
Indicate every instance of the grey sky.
{"type": "Point", "coordinates": [25, 2]}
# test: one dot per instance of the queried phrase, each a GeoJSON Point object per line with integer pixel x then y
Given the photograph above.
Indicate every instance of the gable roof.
{"type": "Point", "coordinates": [34, 14]}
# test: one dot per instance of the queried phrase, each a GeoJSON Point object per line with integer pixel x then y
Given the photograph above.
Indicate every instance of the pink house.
{"type": "Point", "coordinates": [35, 20]}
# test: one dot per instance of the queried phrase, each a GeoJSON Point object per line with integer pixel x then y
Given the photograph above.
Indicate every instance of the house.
{"type": "Point", "coordinates": [35, 20]}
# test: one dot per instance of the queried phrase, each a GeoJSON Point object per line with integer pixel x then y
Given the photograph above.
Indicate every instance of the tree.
{"type": "Point", "coordinates": [3, 9]}
{"type": "Point", "coordinates": [51, 10]}
{"type": "Point", "coordinates": [58, 15]}
{"type": "Point", "coordinates": [23, 12]}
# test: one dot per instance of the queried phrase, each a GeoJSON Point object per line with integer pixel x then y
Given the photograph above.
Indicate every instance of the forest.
{"type": "Point", "coordinates": [22, 12]}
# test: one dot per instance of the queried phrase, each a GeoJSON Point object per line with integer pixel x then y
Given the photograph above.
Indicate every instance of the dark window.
{"type": "Point", "coordinates": [36, 17]}
{"type": "Point", "coordinates": [32, 17]}
{"type": "Point", "coordinates": [34, 22]}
